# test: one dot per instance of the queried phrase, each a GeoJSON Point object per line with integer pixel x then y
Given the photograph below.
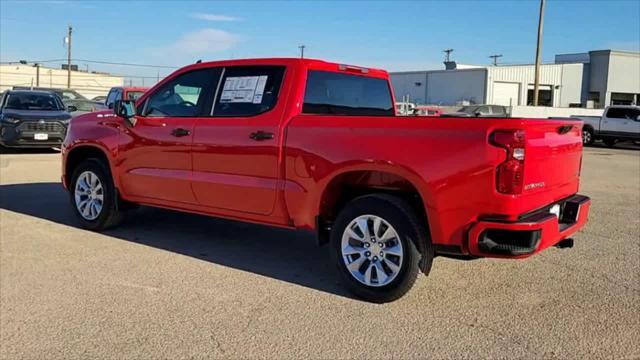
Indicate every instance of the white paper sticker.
{"type": "Point", "coordinates": [243, 89]}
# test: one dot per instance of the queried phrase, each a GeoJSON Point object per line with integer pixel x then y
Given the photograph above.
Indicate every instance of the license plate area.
{"type": "Point", "coordinates": [40, 136]}
{"type": "Point", "coordinates": [569, 214]}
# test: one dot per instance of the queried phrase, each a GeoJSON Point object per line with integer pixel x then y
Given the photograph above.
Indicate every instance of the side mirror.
{"type": "Point", "coordinates": [109, 105]}
{"type": "Point", "coordinates": [71, 108]}
{"type": "Point", "coordinates": [477, 114]}
{"type": "Point", "coordinates": [125, 109]}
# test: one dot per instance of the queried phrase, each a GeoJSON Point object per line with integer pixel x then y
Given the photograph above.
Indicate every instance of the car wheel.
{"type": "Point", "coordinates": [587, 136]}
{"type": "Point", "coordinates": [610, 142]}
{"type": "Point", "coordinates": [375, 247]}
{"type": "Point", "coordinates": [93, 196]}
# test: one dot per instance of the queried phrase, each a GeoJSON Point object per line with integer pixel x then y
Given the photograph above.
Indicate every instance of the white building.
{"type": "Point", "coordinates": [597, 79]}
{"type": "Point", "coordinates": [86, 83]}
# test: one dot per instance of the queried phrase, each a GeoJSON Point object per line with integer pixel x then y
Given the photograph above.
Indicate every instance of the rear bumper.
{"type": "Point", "coordinates": [532, 233]}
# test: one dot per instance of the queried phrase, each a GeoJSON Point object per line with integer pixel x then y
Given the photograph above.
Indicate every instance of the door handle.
{"type": "Point", "coordinates": [179, 132]}
{"type": "Point", "coordinates": [261, 136]}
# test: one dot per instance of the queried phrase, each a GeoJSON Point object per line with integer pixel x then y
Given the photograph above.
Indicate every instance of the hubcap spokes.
{"type": "Point", "coordinates": [89, 195]}
{"type": "Point", "coordinates": [371, 250]}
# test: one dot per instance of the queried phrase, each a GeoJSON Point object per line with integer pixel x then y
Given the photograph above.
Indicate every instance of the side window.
{"type": "Point", "coordinates": [188, 95]}
{"type": "Point", "coordinates": [615, 113]}
{"type": "Point", "coordinates": [483, 110]}
{"type": "Point", "coordinates": [498, 111]}
{"type": "Point", "coordinates": [111, 98]}
{"type": "Point", "coordinates": [346, 94]}
{"type": "Point", "coordinates": [623, 113]}
{"type": "Point", "coordinates": [248, 90]}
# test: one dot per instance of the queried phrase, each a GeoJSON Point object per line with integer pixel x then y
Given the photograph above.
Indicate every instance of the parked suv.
{"type": "Point", "coordinates": [32, 119]}
{"type": "Point", "coordinates": [312, 145]}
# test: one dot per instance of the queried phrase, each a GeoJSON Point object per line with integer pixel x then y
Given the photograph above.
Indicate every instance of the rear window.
{"type": "Point", "coordinates": [346, 94]}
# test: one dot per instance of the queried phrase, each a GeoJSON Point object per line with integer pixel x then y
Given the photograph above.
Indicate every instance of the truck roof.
{"type": "Point", "coordinates": [315, 64]}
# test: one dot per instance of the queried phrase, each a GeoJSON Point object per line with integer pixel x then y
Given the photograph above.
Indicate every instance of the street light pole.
{"type": "Point", "coordinates": [69, 58]}
{"type": "Point", "coordinates": [536, 85]}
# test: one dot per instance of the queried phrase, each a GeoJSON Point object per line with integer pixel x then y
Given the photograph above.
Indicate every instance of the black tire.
{"type": "Point", "coordinates": [412, 234]}
{"type": "Point", "coordinates": [587, 136]}
{"type": "Point", "coordinates": [610, 142]}
{"type": "Point", "coordinates": [111, 214]}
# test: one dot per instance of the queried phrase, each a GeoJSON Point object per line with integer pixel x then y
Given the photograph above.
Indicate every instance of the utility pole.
{"type": "Point", "coordinates": [495, 58]}
{"type": "Point", "coordinates": [448, 52]}
{"type": "Point", "coordinates": [37, 74]}
{"type": "Point", "coordinates": [536, 84]}
{"type": "Point", "coordinates": [69, 57]}
{"type": "Point", "coordinates": [301, 47]}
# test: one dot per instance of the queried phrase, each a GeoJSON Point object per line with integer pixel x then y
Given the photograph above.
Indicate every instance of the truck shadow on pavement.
{"type": "Point", "coordinates": [290, 256]}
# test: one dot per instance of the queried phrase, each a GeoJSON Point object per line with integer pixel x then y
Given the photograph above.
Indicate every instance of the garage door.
{"type": "Point", "coordinates": [506, 94]}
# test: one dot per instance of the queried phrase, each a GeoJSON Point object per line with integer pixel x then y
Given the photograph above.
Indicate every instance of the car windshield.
{"type": "Point", "coordinates": [33, 101]}
{"type": "Point", "coordinates": [134, 95]}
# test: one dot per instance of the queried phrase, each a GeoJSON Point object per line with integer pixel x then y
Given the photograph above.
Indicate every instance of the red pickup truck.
{"type": "Point", "coordinates": [308, 144]}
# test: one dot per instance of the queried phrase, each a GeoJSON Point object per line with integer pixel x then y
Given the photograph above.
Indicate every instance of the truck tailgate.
{"type": "Point", "coordinates": [553, 157]}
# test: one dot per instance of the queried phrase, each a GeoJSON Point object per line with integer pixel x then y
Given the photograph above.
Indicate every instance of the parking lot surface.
{"type": "Point", "coordinates": [172, 285]}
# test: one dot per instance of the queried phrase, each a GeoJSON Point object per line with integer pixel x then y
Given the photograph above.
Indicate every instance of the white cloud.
{"type": "Point", "coordinates": [214, 17]}
{"type": "Point", "coordinates": [201, 42]}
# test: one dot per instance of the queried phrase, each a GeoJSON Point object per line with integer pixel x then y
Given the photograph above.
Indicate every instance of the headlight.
{"type": "Point", "coordinates": [9, 119]}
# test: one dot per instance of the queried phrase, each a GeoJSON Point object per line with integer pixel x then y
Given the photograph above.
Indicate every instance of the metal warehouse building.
{"type": "Point", "coordinates": [594, 79]}
{"type": "Point", "coordinates": [86, 83]}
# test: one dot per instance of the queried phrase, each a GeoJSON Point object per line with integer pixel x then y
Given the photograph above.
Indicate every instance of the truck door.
{"type": "Point", "coordinates": [236, 149]}
{"type": "Point", "coordinates": [155, 155]}
{"type": "Point", "coordinates": [612, 120]}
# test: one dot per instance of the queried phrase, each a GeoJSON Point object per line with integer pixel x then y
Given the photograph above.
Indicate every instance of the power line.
{"type": "Point", "coordinates": [90, 61]}
{"type": "Point", "coordinates": [127, 64]}
{"type": "Point", "coordinates": [495, 58]}
{"type": "Point", "coordinates": [83, 74]}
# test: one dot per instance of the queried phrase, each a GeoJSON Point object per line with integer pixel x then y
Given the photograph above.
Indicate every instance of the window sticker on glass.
{"type": "Point", "coordinates": [243, 89]}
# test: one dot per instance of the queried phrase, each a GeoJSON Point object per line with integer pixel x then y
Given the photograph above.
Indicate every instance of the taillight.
{"type": "Point", "coordinates": [510, 174]}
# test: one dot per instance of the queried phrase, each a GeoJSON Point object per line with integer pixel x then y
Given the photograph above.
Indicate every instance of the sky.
{"type": "Point", "coordinates": [394, 35]}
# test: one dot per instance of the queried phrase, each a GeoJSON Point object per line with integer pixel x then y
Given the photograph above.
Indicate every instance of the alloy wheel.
{"type": "Point", "coordinates": [89, 195]}
{"type": "Point", "coordinates": [372, 251]}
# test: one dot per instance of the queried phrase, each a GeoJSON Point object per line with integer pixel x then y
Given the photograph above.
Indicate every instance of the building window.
{"type": "Point", "coordinates": [622, 99]}
{"type": "Point", "coordinates": [545, 97]}
{"type": "Point", "coordinates": [595, 97]}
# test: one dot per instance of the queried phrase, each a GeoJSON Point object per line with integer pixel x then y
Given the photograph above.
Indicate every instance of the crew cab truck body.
{"type": "Point", "coordinates": [617, 123]}
{"type": "Point", "coordinates": [307, 144]}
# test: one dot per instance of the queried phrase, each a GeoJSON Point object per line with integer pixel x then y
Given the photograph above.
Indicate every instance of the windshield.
{"type": "Point", "coordinates": [33, 101]}
{"type": "Point", "coordinates": [134, 95]}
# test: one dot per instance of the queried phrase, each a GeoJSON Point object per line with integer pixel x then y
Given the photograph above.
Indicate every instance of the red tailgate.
{"type": "Point", "coordinates": [553, 156]}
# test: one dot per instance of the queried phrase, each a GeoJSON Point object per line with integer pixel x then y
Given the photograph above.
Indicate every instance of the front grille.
{"type": "Point", "coordinates": [48, 127]}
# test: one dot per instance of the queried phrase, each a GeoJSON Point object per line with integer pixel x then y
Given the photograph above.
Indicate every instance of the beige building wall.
{"type": "Point", "coordinates": [87, 84]}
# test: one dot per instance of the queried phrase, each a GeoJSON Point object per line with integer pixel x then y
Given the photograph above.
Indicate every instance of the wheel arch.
{"type": "Point", "coordinates": [348, 184]}
{"type": "Point", "coordinates": [81, 152]}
